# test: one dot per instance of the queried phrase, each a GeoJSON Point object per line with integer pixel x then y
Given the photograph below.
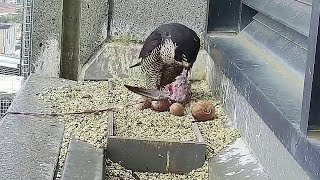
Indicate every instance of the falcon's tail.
{"type": "Point", "coordinates": [150, 93]}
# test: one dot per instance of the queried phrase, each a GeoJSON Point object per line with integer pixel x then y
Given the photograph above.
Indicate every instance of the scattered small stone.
{"type": "Point", "coordinates": [130, 122]}
{"type": "Point", "coordinates": [87, 96]}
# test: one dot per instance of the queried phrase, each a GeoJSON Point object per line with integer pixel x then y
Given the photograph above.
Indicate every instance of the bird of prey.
{"type": "Point", "coordinates": [168, 50]}
{"type": "Point", "coordinates": [177, 91]}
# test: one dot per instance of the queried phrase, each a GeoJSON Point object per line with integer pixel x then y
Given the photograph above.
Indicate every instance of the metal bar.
{"type": "Point", "coordinates": [26, 51]}
{"type": "Point", "coordinates": [110, 113]}
{"type": "Point", "coordinates": [311, 95]}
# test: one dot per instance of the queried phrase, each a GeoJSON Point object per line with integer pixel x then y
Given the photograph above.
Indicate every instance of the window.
{"type": "Point", "coordinates": [4, 105]}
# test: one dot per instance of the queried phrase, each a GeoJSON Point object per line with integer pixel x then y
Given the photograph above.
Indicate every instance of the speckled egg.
{"type": "Point", "coordinates": [203, 111]}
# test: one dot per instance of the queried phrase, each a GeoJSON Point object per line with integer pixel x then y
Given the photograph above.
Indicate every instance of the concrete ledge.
{"type": "Point", "coordinates": [116, 58]}
{"type": "Point", "coordinates": [139, 18]}
{"type": "Point", "coordinates": [274, 157]}
{"type": "Point", "coordinates": [83, 161]}
{"type": "Point", "coordinates": [29, 145]}
{"type": "Point", "coordinates": [236, 162]}
{"type": "Point", "coordinates": [101, 19]}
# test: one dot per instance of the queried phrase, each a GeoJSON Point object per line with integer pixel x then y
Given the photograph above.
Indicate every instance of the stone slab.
{"type": "Point", "coordinates": [146, 155]}
{"type": "Point", "coordinates": [93, 26]}
{"type": "Point", "coordinates": [153, 155]}
{"type": "Point", "coordinates": [46, 37]}
{"type": "Point", "coordinates": [29, 145]}
{"type": "Point", "coordinates": [236, 162]}
{"type": "Point", "coordinates": [137, 18]}
{"type": "Point", "coordinates": [83, 162]}
{"type": "Point", "coordinates": [117, 57]}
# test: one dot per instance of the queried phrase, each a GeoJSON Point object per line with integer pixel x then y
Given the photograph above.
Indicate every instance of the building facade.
{"type": "Point", "coordinates": [7, 39]}
{"type": "Point", "coordinates": [10, 85]}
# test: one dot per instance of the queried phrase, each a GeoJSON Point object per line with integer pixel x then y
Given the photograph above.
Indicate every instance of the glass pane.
{"type": "Point", "coordinates": [11, 20]}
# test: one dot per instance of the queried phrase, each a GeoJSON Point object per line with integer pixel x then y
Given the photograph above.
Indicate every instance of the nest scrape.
{"type": "Point", "coordinates": [92, 128]}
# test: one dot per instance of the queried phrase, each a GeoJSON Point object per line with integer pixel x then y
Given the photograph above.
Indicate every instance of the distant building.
{"type": "Point", "coordinates": [7, 39]}
{"type": "Point", "coordinates": [9, 66]}
{"type": "Point", "coordinates": [10, 81]}
{"type": "Point", "coordinates": [10, 1]}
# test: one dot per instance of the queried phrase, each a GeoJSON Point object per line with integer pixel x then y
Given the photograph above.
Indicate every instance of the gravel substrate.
{"type": "Point", "coordinates": [92, 128]}
{"type": "Point", "coordinates": [144, 124]}
{"type": "Point", "coordinates": [130, 122]}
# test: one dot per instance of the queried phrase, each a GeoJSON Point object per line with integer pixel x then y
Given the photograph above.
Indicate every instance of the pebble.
{"type": "Point", "coordinates": [131, 122]}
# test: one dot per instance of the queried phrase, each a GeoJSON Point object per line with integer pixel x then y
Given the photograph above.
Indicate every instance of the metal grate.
{"type": "Point", "coordinates": [26, 36]}
{"type": "Point", "coordinates": [4, 105]}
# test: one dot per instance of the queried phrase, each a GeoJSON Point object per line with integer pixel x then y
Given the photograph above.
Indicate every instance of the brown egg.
{"type": "Point", "coordinates": [143, 103]}
{"type": "Point", "coordinates": [203, 111]}
{"type": "Point", "coordinates": [177, 109]}
{"type": "Point", "coordinates": [160, 105]}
